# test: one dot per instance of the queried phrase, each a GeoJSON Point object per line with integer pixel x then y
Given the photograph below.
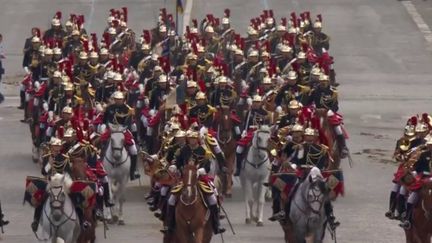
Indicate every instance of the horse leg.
{"type": "Point", "coordinates": [248, 199]}
{"type": "Point", "coordinates": [122, 199]}
{"type": "Point", "coordinates": [261, 191]}
{"type": "Point", "coordinates": [229, 181]}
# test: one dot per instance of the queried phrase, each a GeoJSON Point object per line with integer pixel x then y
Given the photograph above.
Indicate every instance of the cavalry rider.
{"type": "Point", "coordinates": [193, 151]}
{"type": "Point", "coordinates": [403, 152]}
{"type": "Point", "coordinates": [53, 162]}
{"type": "Point", "coordinates": [202, 113]}
{"type": "Point", "coordinates": [294, 142]}
{"type": "Point", "coordinates": [293, 114]}
{"type": "Point", "coordinates": [292, 91]}
{"type": "Point", "coordinates": [325, 99]}
{"type": "Point", "coordinates": [120, 113]}
{"type": "Point", "coordinates": [422, 173]}
{"type": "Point", "coordinates": [254, 117]}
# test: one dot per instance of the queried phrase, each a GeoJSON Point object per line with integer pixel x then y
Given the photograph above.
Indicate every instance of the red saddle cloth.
{"type": "Point", "coordinates": [83, 193]}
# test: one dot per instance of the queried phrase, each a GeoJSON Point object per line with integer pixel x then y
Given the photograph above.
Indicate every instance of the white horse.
{"type": "Point", "coordinates": [255, 174]}
{"type": "Point", "coordinates": [59, 219]}
{"type": "Point", "coordinates": [307, 213]}
{"type": "Point", "coordinates": [117, 164]}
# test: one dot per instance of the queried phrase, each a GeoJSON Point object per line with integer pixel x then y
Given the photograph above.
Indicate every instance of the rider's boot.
{"type": "Point", "coordinates": [214, 215]}
{"type": "Point", "coordinates": [84, 223]}
{"type": "Point", "coordinates": [106, 195]}
{"type": "Point", "coordinates": [22, 100]}
{"type": "Point", "coordinates": [2, 221]}
{"type": "Point", "coordinates": [99, 207]}
{"type": "Point", "coordinates": [401, 206]}
{"type": "Point", "coordinates": [331, 219]}
{"type": "Point", "coordinates": [163, 203]}
{"type": "Point", "coordinates": [407, 221]}
{"type": "Point", "coordinates": [36, 217]}
{"type": "Point", "coordinates": [277, 212]}
{"type": "Point", "coordinates": [154, 206]}
{"type": "Point", "coordinates": [169, 220]}
{"type": "Point", "coordinates": [342, 145]}
{"type": "Point", "coordinates": [133, 172]}
{"type": "Point", "coordinates": [239, 161]}
{"type": "Point", "coordinates": [392, 205]}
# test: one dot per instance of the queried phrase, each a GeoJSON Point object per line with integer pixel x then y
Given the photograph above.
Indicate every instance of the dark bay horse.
{"type": "Point", "coordinates": [228, 143]}
{"type": "Point", "coordinates": [421, 230]}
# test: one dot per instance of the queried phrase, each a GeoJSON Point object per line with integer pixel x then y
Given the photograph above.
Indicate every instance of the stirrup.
{"type": "Point", "coordinates": [277, 216]}
{"type": "Point", "coordinates": [34, 226]}
{"type": "Point", "coordinates": [390, 215]}
{"type": "Point", "coordinates": [405, 224]}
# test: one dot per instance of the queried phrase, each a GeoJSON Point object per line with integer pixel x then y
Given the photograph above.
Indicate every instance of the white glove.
{"type": "Point", "coordinates": [26, 69]}
{"type": "Point", "coordinates": [45, 106]}
{"type": "Point", "coordinates": [243, 134]}
{"type": "Point", "coordinates": [141, 88]}
{"type": "Point", "coordinates": [172, 168]}
{"type": "Point", "coordinates": [279, 109]}
{"type": "Point", "coordinates": [201, 172]}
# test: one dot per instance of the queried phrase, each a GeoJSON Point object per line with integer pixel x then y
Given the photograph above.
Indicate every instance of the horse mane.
{"type": "Point", "coordinates": [61, 180]}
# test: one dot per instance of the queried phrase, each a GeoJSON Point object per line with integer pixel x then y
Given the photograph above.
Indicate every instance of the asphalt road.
{"type": "Point", "coordinates": [381, 62]}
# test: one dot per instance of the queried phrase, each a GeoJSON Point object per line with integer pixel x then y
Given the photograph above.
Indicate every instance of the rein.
{"type": "Point", "coordinates": [257, 147]}
{"type": "Point", "coordinates": [113, 163]}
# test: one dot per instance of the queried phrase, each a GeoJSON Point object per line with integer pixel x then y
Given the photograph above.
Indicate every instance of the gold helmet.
{"type": "Point", "coordinates": [310, 132]}
{"type": "Point", "coordinates": [253, 53]}
{"type": "Point", "coordinates": [57, 74]}
{"type": "Point", "coordinates": [317, 25]}
{"type": "Point", "coordinates": [267, 80]}
{"type": "Point", "coordinates": [180, 134]}
{"type": "Point", "coordinates": [301, 55]}
{"type": "Point", "coordinates": [163, 79]}
{"type": "Point", "coordinates": [70, 132]}
{"type": "Point", "coordinates": [57, 51]}
{"type": "Point", "coordinates": [209, 29]}
{"type": "Point", "coordinates": [292, 75]}
{"type": "Point", "coordinates": [285, 48]}
{"type": "Point", "coordinates": [324, 78]}
{"type": "Point", "coordinates": [145, 47]}
{"type": "Point", "coordinates": [118, 77]}
{"type": "Point", "coordinates": [257, 98]}
{"type": "Point", "coordinates": [297, 128]}
{"type": "Point", "coordinates": [294, 104]}
{"type": "Point", "coordinates": [67, 109]}
{"type": "Point", "coordinates": [118, 95]}
{"type": "Point", "coordinates": [35, 39]}
{"type": "Point", "coordinates": [83, 55]}
{"type": "Point", "coordinates": [94, 54]}
{"type": "Point", "coordinates": [192, 134]}
{"type": "Point", "coordinates": [162, 29]}
{"type": "Point", "coordinates": [48, 51]}
{"type": "Point", "coordinates": [200, 96]}
{"type": "Point", "coordinates": [55, 142]}
{"type": "Point", "coordinates": [409, 130]}
{"type": "Point", "coordinates": [104, 51]}
{"type": "Point", "coordinates": [191, 84]}
{"type": "Point", "coordinates": [75, 32]}
{"type": "Point", "coordinates": [421, 127]}
{"type": "Point", "coordinates": [55, 22]}
{"type": "Point", "coordinates": [428, 139]}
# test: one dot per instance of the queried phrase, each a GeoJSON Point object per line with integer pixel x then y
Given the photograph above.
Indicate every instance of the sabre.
{"type": "Point", "coordinates": [226, 215]}
{"type": "Point", "coordinates": [1, 219]}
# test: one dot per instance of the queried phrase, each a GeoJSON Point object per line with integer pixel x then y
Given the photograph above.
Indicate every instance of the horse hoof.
{"type": "Point", "coordinates": [260, 224]}
{"type": "Point", "coordinates": [248, 221]}
{"type": "Point", "coordinates": [115, 218]}
{"type": "Point", "coordinates": [255, 219]}
{"type": "Point", "coordinates": [121, 222]}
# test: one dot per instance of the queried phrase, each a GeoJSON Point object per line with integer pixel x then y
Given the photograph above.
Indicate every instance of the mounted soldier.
{"type": "Point", "coordinates": [120, 114]}
{"type": "Point", "coordinates": [255, 117]}
{"type": "Point", "coordinates": [193, 152]}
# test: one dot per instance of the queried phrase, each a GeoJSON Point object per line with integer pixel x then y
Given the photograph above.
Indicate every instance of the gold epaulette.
{"type": "Point", "coordinates": [205, 188]}
{"type": "Point", "coordinates": [177, 188]}
{"type": "Point", "coordinates": [211, 109]}
{"type": "Point", "coordinates": [211, 140]}
{"type": "Point", "coordinates": [304, 89]}
{"type": "Point", "coordinates": [208, 153]}
{"type": "Point", "coordinates": [335, 93]}
{"type": "Point", "coordinates": [131, 111]}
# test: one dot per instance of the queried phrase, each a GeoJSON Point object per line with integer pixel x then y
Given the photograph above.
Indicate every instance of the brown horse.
{"type": "Point", "coordinates": [228, 143]}
{"type": "Point", "coordinates": [421, 230]}
{"type": "Point", "coordinates": [328, 134]}
{"type": "Point", "coordinates": [79, 168]}
{"type": "Point", "coordinates": [192, 224]}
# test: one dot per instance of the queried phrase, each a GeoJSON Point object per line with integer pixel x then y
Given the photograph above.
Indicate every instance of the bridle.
{"type": "Point", "coordinates": [115, 164]}
{"type": "Point", "coordinates": [317, 196]}
{"type": "Point", "coordinates": [227, 131]}
{"type": "Point", "coordinates": [255, 145]}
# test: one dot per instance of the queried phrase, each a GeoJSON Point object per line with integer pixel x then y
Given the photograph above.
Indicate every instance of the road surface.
{"type": "Point", "coordinates": [383, 64]}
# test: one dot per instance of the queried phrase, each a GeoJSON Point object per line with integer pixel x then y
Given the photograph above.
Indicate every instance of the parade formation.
{"type": "Point", "coordinates": [196, 109]}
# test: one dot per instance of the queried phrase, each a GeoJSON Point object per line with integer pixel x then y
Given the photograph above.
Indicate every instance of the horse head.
{"type": "Point", "coordinates": [117, 145]}
{"type": "Point", "coordinates": [58, 189]}
{"type": "Point", "coordinates": [190, 180]}
{"type": "Point", "coordinates": [261, 137]}
{"type": "Point", "coordinates": [225, 118]}
{"type": "Point", "coordinates": [316, 191]}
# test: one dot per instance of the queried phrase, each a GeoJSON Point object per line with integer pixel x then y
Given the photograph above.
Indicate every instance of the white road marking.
{"type": "Point", "coordinates": [187, 14]}
{"type": "Point", "coordinates": [421, 24]}
{"type": "Point", "coordinates": [370, 117]}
